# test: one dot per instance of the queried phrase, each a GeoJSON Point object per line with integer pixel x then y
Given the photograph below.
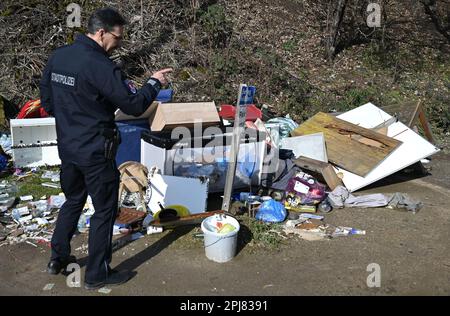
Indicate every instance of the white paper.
{"type": "Point", "coordinates": [301, 188]}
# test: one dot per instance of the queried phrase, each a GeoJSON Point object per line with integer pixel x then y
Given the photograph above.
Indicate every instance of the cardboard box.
{"type": "Point", "coordinates": [149, 114]}
{"type": "Point", "coordinates": [171, 115]}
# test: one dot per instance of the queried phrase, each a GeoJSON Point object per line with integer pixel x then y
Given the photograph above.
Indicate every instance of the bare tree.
{"type": "Point", "coordinates": [431, 9]}
{"type": "Point", "coordinates": [337, 14]}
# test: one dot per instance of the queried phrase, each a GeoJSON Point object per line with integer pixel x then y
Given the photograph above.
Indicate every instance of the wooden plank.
{"type": "Point", "coordinates": [419, 113]}
{"type": "Point", "coordinates": [331, 177]}
{"type": "Point", "coordinates": [345, 151]}
{"type": "Point", "coordinates": [194, 219]}
{"type": "Point", "coordinates": [426, 127]}
{"type": "Point", "coordinates": [367, 141]}
{"type": "Point", "coordinates": [415, 114]}
{"type": "Point", "coordinates": [323, 168]}
{"type": "Point", "coordinates": [413, 147]}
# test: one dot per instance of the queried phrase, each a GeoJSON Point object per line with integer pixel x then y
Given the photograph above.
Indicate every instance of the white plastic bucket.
{"type": "Point", "coordinates": [220, 247]}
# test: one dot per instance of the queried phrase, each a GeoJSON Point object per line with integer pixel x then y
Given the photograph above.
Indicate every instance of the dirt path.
{"type": "Point", "coordinates": [412, 251]}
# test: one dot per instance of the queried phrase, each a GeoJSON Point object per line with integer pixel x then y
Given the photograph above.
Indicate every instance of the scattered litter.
{"type": "Point", "coordinates": [136, 236]}
{"type": "Point", "coordinates": [314, 229]}
{"type": "Point", "coordinates": [401, 200]}
{"type": "Point", "coordinates": [41, 221]}
{"type": "Point", "coordinates": [83, 249]}
{"type": "Point", "coordinates": [53, 175]}
{"type": "Point", "coordinates": [308, 216]}
{"type": "Point", "coordinates": [26, 198]}
{"type": "Point", "coordinates": [5, 143]}
{"type": "Point", "coordinates": [154, 230]}
{"type": "Point", "coordinates": [18, 172]}
{"type": "Point", "coordinates": [285, 125]}
{"type": "Point", "coordinates": [340, 197]}
{"type": "Point", "coordinates": [104, 290]}
{"type": "Point", "coordinates": [30, 243]}
{"type": "Point", "coordinates": [56, 201]}
{"type": "Point", "coordinates": [121, 229]}
{"type": "Point", "coordinates": [51, 185]}
{"type": "Point", "coordinates": [31, 228]}
{"type": "Point", "coordinates": [147, 220]}
{"type": "Point", "coordinates": [346, 231]}
{"type": "Point", "coordinates": [25, 219]}
{"type": "Point", "coordinates": [324, 206]}
{"type": "Point", "coordinates": [48, 287]}
{"type": "Point", "coordinates": [17, 213]}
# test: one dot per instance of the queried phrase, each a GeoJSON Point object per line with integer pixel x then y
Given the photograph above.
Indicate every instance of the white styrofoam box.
{"type": "Point", "coordinates": [189, 162]}
{"type": "Point", "coordinates": [38, 136]}
{"type": "Point", "coordinates": [310, 146]}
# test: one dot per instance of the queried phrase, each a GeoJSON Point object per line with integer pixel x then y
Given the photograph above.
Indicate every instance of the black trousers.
{"type": "Point", "coordinates": [101, 182]}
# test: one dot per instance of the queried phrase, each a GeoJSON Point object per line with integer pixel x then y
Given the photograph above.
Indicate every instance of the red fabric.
{"type": "Point", "coordinates": [32, 109]}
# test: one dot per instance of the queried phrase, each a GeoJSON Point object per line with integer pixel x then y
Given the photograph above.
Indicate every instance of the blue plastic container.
{"type": "Point", "coordinates": [130, 132]}
{"type": "Point", "coordinates": [130, 147]}
{"type": "Point", "coordinates": [165, 95]}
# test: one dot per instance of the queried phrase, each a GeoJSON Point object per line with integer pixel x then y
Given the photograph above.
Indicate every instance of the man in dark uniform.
{"type": "Point", "coordinates": [82, 88]}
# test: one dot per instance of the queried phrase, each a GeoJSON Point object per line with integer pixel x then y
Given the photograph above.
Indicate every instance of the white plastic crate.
{"type": "Point", "coordinates": [179, 159]}
{"type": "Point", "coordinates": [34, 142]}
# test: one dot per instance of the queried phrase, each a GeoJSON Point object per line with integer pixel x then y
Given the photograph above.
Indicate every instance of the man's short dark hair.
{"type": "Point", "coordinates": [106, 18]}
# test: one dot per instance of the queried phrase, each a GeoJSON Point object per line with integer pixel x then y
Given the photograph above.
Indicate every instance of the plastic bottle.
{"type": "Point", "coordinates": [5, 142]}
{"type": "Point", "coordinates": [16, 214]}
{"type": "Point", "coordinates": [355, 231]}
{"type": "Point", "coordinates": [82, 223]}
{"type": "Point", "coordinates": [324, 206]}
{"type": "Point", "coordinates": [154, 230]}
{"type": "Point", "coordinates": [147, 220]}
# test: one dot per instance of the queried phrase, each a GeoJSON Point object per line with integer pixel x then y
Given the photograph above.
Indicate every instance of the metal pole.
{"type": "Point", "coordinates": [239, 122]}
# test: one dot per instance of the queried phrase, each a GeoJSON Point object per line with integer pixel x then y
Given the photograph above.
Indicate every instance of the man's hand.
{"type": "Point", "coordinates": [161, 75]}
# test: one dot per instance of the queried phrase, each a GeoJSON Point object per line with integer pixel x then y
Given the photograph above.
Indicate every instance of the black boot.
{"type": "Point", "coordinates": [114, 278]}
{"type": "Point", "coordinates": [56, 265]}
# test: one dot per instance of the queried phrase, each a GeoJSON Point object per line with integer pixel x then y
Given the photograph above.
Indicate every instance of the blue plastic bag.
{"type": "Point", "coordinates": [3, 162]}
{"type": "Point", "coordinates": [271, 211]}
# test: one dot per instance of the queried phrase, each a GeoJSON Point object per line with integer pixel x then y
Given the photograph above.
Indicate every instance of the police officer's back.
{"type": "Point", "coordinates": [81, 87]}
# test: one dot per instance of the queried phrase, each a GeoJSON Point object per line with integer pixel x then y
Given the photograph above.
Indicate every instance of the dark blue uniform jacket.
{"type": "Point", "coordinates": [82, 88]}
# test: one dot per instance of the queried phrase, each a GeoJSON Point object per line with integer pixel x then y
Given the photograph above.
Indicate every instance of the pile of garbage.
{"type": "Point", "coordinates": [29, 221]}
{"type": "Point", "coordinates": [323, 161]}
{"type": "Point", "coordinates": [317, 166]}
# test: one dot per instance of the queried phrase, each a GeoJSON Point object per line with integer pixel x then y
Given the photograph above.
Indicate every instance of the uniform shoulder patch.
{"type": "Point", "coordinates": [130, 86]}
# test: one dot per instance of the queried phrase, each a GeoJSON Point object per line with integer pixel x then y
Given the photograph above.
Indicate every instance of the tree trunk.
{"type": "Point", "coordinates": [431, 10]}
{"type": "Point", "coordinates": [333, 28]}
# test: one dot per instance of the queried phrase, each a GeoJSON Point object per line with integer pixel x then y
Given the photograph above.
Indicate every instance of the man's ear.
{"type": "Point", "coordinates": [100, 33]}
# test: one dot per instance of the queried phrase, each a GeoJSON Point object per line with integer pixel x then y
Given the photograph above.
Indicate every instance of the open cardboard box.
{"type": "Point", "coordinates": [149, 114]}
{"type": "Point", "coordinates": [171, 115]}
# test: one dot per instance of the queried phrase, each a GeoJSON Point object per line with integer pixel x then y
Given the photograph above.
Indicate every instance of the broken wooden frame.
{"type": "Point", "coordinates": [419, 113]}
{"type": "Point", "coordinates": [324, 169]}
